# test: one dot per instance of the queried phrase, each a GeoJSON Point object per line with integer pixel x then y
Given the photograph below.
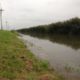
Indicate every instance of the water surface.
{"type": "Point", "coordinates": [62, 52]}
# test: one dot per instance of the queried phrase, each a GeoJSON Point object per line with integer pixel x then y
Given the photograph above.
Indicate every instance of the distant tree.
{"type": "Point", "coordinates": [69, 27]}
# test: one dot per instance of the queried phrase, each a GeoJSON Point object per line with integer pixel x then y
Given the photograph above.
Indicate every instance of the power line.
{"type": "Point", "coordinates": [1, 10]}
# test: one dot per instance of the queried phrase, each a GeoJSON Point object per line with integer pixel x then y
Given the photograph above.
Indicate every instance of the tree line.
{"type": "Point", "coordinates": [68, 27]}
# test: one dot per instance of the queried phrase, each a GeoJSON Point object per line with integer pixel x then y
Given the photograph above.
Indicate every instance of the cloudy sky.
{"type": "Point", "coordinates": [28, 13]}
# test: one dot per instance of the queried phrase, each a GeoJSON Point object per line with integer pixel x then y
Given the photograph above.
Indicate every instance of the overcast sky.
{"type": "Point", "coordinates": [28, 13]}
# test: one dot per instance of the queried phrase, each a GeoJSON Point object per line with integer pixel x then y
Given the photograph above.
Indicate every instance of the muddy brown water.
{"type": "Point", "coordinates": [63, 53]}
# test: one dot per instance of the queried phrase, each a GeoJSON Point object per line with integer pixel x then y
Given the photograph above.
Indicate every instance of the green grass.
{"type": "Point", "coordinates": [18, 63]}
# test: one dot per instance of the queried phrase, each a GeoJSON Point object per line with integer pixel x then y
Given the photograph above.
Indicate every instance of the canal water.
{"type": "Point", "coordinates": [62, 52]}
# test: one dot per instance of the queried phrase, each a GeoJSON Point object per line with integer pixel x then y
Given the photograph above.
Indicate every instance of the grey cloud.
{"type": "Point", "coordinates": [23, 13]}
{"type": "Point", "coordinates": [27, 10]}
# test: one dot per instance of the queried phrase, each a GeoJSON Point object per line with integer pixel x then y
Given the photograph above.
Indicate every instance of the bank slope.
{"type": "Point", "coordinates": [18, 63]}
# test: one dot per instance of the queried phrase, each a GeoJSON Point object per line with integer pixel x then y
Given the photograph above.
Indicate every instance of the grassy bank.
{"type": "Point", "coordinates": [18, 63]}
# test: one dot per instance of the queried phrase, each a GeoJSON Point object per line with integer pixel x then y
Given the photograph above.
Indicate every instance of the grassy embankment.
{"type": "Point", "coordinates": [18, 63]}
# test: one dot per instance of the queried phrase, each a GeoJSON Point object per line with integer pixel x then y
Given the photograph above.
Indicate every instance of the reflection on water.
{"type": "Point", "coordinates": [72, 41]}
{"type": "Point", "coordinates": [62, 52]}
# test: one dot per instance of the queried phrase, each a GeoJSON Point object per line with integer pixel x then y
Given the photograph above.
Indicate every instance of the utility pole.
{"type": "Point", "coordinates": [1, 10]}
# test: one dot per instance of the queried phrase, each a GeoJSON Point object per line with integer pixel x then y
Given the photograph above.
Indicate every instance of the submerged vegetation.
{"type": "Point", "coordinates": [18, 63]}
{"type": "Point", "coordinates": [69, 27]}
